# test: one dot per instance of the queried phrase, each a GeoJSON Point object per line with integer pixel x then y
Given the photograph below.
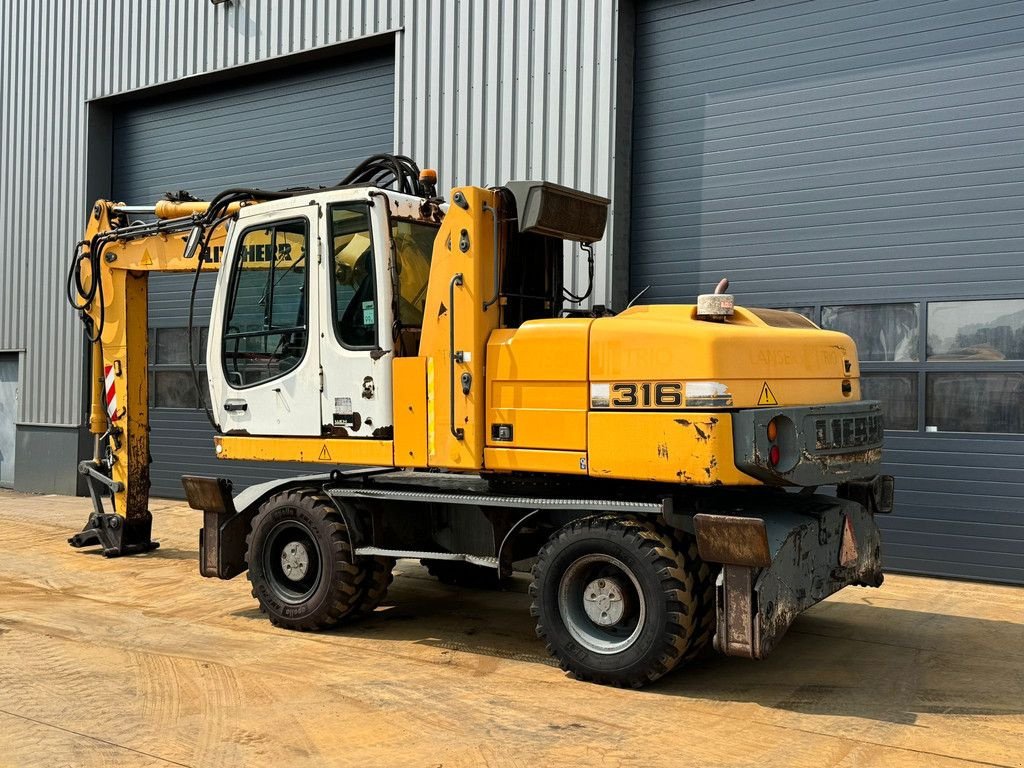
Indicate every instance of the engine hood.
{"type": "Point", "coordinates": [756, 358]}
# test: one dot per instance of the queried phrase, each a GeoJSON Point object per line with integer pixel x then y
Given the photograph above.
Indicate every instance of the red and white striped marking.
{"type": "Point", "coordinates": [111, 394]}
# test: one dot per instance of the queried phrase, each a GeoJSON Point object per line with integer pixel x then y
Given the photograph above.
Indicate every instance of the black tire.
{"type": "Point", "coordinates": [376, 582]}
{"type": "Point", "coordinates": [648, 583]}
{"type": "Point", "coordinates": [705, 578]}
{"type": "Point", "coordinates": [330, 586]}
{"type": "Point", "coordinates": [459, 573]}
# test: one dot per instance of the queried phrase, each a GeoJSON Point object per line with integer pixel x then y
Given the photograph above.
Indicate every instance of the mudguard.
{"type": "Point", "coordinates": [226, 520]}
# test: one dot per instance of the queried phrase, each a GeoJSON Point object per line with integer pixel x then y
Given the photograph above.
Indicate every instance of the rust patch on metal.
{"type": "Point", "coordinates": [701, 434]}
{"type": "Point", "coordinates": [839, 465]}
{"type": "Point", "coordinates": [662, 450]}
{"type": "Point", "coordinates": [137, 485]}
{"type": "Point", "coordinates": [734, 540]}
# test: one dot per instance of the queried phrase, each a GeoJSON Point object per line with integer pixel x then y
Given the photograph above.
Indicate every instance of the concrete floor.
{"type": "Point", "coordinates": [141, 662]}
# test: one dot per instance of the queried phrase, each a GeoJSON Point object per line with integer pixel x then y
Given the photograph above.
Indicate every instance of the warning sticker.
{"type": "Point", "coordinates": [147, 260]}
{"type": "Point", "coordinates": [767, 397]}
{"type": "Point", "coordinates": [325, 455]}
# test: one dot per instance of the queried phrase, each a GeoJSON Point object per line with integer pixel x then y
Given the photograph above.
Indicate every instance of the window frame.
{"type": "Point", "coordinates": [396, 290]}
{"type": "Point", "coordinates": [229, 305]}
{"type": "Point", "coordinates": [366, 206]}
{"type": "Point", "coordinates": [922, 367]}
{"type": "Point", "coordinates": [155, 367]}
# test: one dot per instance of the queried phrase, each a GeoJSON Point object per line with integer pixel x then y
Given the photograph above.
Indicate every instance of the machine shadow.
{"type": "Point", "coordinates": [838, 659]}
{"type": "Point", "coordinates": [872, 662]}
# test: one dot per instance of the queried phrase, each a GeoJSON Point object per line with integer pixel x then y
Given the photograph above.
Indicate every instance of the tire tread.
{"type": "Point", "coordinates": [347, 585]}
{"type": "Point", "coordinates": [678, 583]}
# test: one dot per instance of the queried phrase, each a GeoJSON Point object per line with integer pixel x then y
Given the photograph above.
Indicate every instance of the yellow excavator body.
{"type": "Point", "coordinates": [651, 394]}
{"type": "Point", "coordinates": [468, 411]}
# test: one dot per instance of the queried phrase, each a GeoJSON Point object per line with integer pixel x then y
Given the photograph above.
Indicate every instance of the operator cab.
{"type": "Point", "coordinates": [315, 295]}
{"type": "Point", "coordinates": [320, 292]}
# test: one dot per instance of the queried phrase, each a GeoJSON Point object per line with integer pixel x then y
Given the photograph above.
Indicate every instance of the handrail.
{"type": "Point", "coordinates": [455, 357]}
{"type": "Point", "coordinates": [497, 258]}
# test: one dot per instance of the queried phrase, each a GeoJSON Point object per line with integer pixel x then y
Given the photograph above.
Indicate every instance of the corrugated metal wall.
{"type": "Point", "coordinates": [834, 151]}
{"type": "Point", "coordinates": [484, 92]}
{"type": "Point", "coordinates": [845, 152]}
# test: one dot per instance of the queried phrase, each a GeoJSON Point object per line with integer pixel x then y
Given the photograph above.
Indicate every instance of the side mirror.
{"type": "Point", "coordinates": [192, 244]}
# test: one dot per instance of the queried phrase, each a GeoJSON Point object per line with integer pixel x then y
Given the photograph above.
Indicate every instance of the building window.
{"type": "Point", "coordinates": [883, 332]}
{"type": "Point", "coordinates": [938, 366]}
{"type": "Point", "coordinates": [170, 376]}
{"type": "Point", "coordinates": [975, 402]}
{"type": "Point", "coordinates": [898, 395]}
{"type": "Point", "coordinates": [975, 330]}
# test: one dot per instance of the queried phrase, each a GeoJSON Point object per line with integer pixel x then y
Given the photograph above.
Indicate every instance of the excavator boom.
{"type": "Point", "coordinates": [108, 283]}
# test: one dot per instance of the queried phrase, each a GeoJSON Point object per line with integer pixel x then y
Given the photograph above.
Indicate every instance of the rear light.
{"type": "Point", "coordinates": [782, 452]}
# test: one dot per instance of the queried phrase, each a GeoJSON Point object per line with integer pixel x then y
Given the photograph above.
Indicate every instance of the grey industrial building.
{"type": "Point", "coordinates": [862, 162]}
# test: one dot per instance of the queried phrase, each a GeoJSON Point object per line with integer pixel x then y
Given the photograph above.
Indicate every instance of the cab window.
{"type": "Point", "coordinates": [414, 245]}
{"type": "Point", "coordinates": [353, 284]}
{"type": "Point", "coordinates": [265, 333]}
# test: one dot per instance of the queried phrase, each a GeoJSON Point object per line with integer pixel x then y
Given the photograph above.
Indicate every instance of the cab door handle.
{"type": "Point", "coordinates": [236, 405]}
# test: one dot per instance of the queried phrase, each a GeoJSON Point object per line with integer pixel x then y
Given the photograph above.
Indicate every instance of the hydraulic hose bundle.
{"type": "Point", "coordinates": [81, 296]}
{"type": "Point", "coordinates": [396, 172]}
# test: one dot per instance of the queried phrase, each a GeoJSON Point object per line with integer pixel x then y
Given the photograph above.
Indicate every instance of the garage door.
{"type": "Point", "coordinates": [863, 163]}
{"type": "Point", "coordinates": [298, 128]}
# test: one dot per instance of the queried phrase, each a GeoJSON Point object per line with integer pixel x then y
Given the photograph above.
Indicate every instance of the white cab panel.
{"type": "Point", "coordinates": [263, 359]}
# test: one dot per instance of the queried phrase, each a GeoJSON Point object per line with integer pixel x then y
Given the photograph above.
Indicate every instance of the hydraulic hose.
{"type": "Point", "coordinates": [200, 258]}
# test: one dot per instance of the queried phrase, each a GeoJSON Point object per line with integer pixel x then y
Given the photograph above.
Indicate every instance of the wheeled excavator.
{"type": "Point", "coordinates": [678, 477]}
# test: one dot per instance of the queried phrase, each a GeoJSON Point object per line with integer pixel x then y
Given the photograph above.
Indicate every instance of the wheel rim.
{"type": "Point", "coordinates": [601, 604]}
{"type": "Point", "coordinates": [291, 561]}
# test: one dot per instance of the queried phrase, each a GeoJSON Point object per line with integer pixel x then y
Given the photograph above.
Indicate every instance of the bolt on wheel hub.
{"type": "Point", "coordinates": [603, 602]}
{"type": "Point", "coordinates": [294, 560]}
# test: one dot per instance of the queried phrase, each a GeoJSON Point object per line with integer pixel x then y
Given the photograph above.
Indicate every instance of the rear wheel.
{"type": "Point", "coordinates": [705, 585]}
{"type": "Point", "coordinates": [615, 601]}
{"type": "Point", "coordinates": [300, 562]}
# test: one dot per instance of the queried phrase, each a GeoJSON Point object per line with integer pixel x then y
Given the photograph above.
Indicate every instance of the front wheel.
{"type": "Point", "coordinates": [615, 601]}
{"type": "Point", "coordinates": [301, 565]}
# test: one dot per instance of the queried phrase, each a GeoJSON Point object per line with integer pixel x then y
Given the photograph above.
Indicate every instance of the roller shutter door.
{"type": "Point", "coordinates": [306, 127]}
{"type": "Point", "coordinates": [864, 163]}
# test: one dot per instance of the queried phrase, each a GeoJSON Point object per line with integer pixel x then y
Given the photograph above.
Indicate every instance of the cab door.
{"type": "Point", "coordinates": [263, 359]}
{"type": "Point", "coordinates": [356, 348]}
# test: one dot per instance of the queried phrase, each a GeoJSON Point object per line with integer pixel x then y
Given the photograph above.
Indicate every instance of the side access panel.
{"type": "Point", "coordinates": [409, 377]}
{"type": "Point", "coordinates": [688, 447]}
